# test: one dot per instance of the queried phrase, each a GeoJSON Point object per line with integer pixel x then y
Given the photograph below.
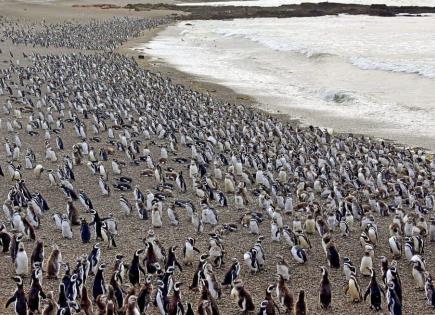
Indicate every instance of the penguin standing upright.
{"type": "Point", "coordinates": [144, 295]}
{"type": "Point", "coordinates": [285, 296]}
{"type": "Point", "coordinates": [375, 291]}
{"type": "Point", "coordinates": [393, 301]}
{"type": "Point", "coordinates": [21, 261]}
{"type": "Point", "coordinates": [19, 298]}
{"type": "Point", "coordinates": [189, 250]}
{"type": "Point", "coordinates": [94, 258]}
{"type": "Point", "coordinates": [301, 306]}
{"type": "Point", "coordinates": [325, 295]}
{"type": "Point", "coordinates": [36, 294]}
{"type": "Point", "coordinates": [175, 305]}
{"type": "Point", "coordinates": [85, 231]}
{"type": "Point", "coordinates": [135, 269]}
{"type": "Point", "coordinates": [243, 298]}
{"type": "Point", "coordinates": [353, 289]}
{"type": "Point", "coordinates": [99, 287]}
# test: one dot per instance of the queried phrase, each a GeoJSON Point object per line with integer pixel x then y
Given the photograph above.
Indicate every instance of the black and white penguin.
{"type": "Point", "coordinates": [198, 273]}
{"type": "Point", "coordinates": [18, 298]}
{"type": "Point", "coordinates": [298, 254]}
{"type": "Point", "coordinates": [135, 270]}
{"type": "Point", "coordinates": [189, 250]}
{"type": "Point", "coordinates": [375, 291]}
{"type": "Point", "coordinates": [393, 301]}
{"type": "Point", "coordinates": [99, 286]}
{"type": "Point", "coordinates": [325, 293]}
{"type": "Point", "coordinates": [36, 294]}
{"type": "Point", "coordinates": [232, 274]}
{"type": "Point", "coordinates": [333, 255]}
{"type": "Point", "coordinates": [353, 288]}
{"type": "Point", "coordinates": [94, 258]}
{"type": "Point", "coordinates": [175, 305]}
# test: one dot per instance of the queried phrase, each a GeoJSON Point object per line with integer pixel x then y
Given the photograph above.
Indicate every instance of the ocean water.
{"type": "Point", "coordinates": [358, 74]}
{"type": "Point", "coordinates": [275, 3]}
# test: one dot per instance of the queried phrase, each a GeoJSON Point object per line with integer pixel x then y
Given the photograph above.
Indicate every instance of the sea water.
{"type": "Point", "coordinates": [361, 74]}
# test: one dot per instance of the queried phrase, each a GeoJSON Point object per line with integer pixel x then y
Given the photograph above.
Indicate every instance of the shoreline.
{"type": "Point", "coordinates": [228, 95]}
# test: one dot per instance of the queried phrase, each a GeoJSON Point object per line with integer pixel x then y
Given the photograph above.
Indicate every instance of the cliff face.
{"type": "Point", "coordinates": [301, 10]}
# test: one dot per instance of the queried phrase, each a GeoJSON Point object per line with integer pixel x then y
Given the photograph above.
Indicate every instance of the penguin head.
{"type": "Point", "coordinates": [18, 280]}
{"type": "Point", "coordinates": [102, 266]}
{"type": "Point", "coordinates": [203, 257]}
{"type": "Point", "coordinates": [177, 286]}
{"type": "Point", "coordinates": [270, 288]}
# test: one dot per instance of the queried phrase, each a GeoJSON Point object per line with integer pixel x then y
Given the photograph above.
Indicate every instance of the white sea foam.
{"type": "Point", "coordinates": [353, 73]}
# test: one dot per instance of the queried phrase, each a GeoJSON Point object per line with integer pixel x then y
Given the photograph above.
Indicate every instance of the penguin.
{"type": "Point", "coordinates": [429, 291]}
{"type": "Point", "coordinates": [85, 302]}
{"type": "Point", "coordinates": [73, 214]}
{"type": "Point", "coordinates": [395, 246]}
{"type": "Point", "coordinates": [189, 310]}
{"type": "Point", "coordinates": [353, 289]}
{"type": "Point", "coordinates": [54, 262]}
{"type": "Point", "coordinates": [375, 291]}
{"type": "Point", "coordinates": [136, 269]}
{"type": "Point", "coordinates": [144, 295]}
{"type": "Point", "coordinates": [232, 274]}
{"type": "Point", "coordinates": [243, 298]}
{"type": "Point", "coordinates": [213, 285]}
{"type": "Point", "coordinates": [66, 228]}
{"type": "Point", "coordinates": [393, 301]}
{"type": "Point", "coordinates": [132, 308]}
{"type": "Point", "coordinates": [250, 258]}
{"type": "Point", "coordinates": [300, 306]}
{"type": "Point", "coordinates": [5, 239]}
{"type": "Point", "coordinates": [198, 273]}
{"type": "Point", "coordinates": [284, 295]}
{"type": "Point", "coordinates": [299, 254]}
{"type": "Point", "coordinates": [366, 264]}
{"type": "Point", "coordinates": [97, 221]}
{"type": "Point", "coordinates": [36, 294]}
{"type": "Point", "coordinates": [99, 286]}
{"type": "Point", "coordinates": [310, 224]}
{"type": "Point", "coordinates": [325, 295]}
{"type": "Point", "coordinates": [21, 261]}
{"type": "Point", "coordinates": [38, 253]}
{"type": "Point", "coordinates": [418, 271]}
{"type": "Point", "coordinates": [171, 260]}
{"type": "Point", "coordinates": [333, 256]}
{"type": "Point", "coordinates": [282, 268]}
{"type": "Point", "coordinates": [19, 298]}
{"type": "Point", "coordinates": [85, 231]}
{"type": "Point", "coordinates": [94, 258]}
{"type": "Point", "coordinates": [175, 305]}
{"type": "Point", "coordinates": [125, 205]}
{"type": "Point", "coordinates": [189, 250]}
{"type": "Point", "coordinates": [156, 218]}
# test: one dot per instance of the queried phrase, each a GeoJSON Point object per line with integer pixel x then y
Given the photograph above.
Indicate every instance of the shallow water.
{"type": "Point", "coordinates": [352, 73]}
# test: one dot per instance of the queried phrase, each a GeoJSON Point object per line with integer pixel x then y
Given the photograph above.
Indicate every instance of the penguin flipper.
{"type": "Point", "coordinates": [11, 300]}
{"type": "Point", "coordinates": [366, 294]}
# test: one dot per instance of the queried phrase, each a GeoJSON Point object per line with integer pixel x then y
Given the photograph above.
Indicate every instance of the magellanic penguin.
{"type": "Point", "coordinates": [429, 291]}
{"type": "Point", "coordinates": [21, 261]}
{"type": "Point", "coordinates": [325, 294]}
{"type": "Point", "coordinates": [54, 262]}
{"type": "Point", "coordinates": [284, 295]}
{"type": "Point", "coordinates": [99, 286]}
{"type": "Point", "coordinates": [85, 231]}
{"type": "Point", "coordinates": [268, 305]}
{"type": "Point", "coordinates": [366, 264]}
{"type": "Point", "coordinates": [38, 253]}
{"type": "Point", "coordinates": [300, 306]}
{"type": "Point", "coordinates": [19, 298]}
{"type": "Point", "coordinates": [282, 268]}
{"type": "Point", "coordinates": [199, 271]}
{"type": "Point", "coordinates": [135, 270]}
{"type": "Point", "coordinates": [144, 296]}
{"type": "Point", "coordinates": [353, 289]}
{"type": "Point", "coordinates": [175, 305]}
{"type": "Point", "coordinates": [418, 271]}
{"type": "Point", "coordinates": [243, 298]}
{"type": "Point", "coordinates": [189, 250]}
{"type": "Point", "coordinates": [36, 294]}
{"type": "Point", "coordinates": [232, 274]}
{"type": "Point", "coordinates": [393, 301]}
{"type": "Point", "coordinates": [375, 291]}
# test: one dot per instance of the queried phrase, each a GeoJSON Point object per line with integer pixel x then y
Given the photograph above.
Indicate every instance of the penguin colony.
{"type": "Point", "coordinates": [124, 193]}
